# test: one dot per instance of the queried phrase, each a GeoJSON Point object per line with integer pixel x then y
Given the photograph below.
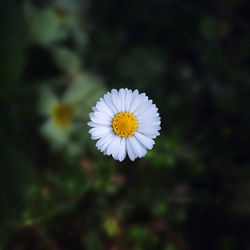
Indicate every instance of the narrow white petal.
{"type": "Point", "coordinates": [139, 150]}
{"type": "Point", "coordinates": [146, 141]}
{"type": "Point", "coordinates": [101, 121]}
{"type": "Point", "coordinates": [130, 151]}
{"type": "Point", "coordinates": [104, 147]}
{"type": "Point", "coordinates": [122, 97]}
{"type": "Point", "coordinates": [147, 127]}
{"type": "Point", "coordinates": [151, 112]}
{"type": "Point", "coordinates": [149, 120]}
{"type": "Point", "coordinates": [103, 107]}
{"type": "Point", "coordinates": [109, 102]}
{"type": "Point", "coordinates": [150, 131]}
{"type": "Point", "coordinates": [139, 101]}
{"type": "Point", "coordinates": [129, 98]}
{"type": "Point", "coordinates": [155, 135]}
{"type": "Point", "coordinates": [113, 145]}
{"type": "Point", "coordinates": [143, 107]}
{"type": "Point", "coordinates": [93, 124]}
{"type": "Point", "coordinates": [101, 118]}
{"type": "Point", "coordinates": [104, 139]}
{"type": "Point", "coordinates": [136, 92]}
{"type": "Point", "coordinates": [91, 114]}
{"type": "Point", "coordinates": [117, 147]}
{"type": "Point", "coordinates": [116, 100]}
{"type": "Point", "coordinates": [98, 132]}
{"type": "Point", "coordinates": [157, 123]}
{"type": "Point", "coordinates": [94, 108]}
{"type": "Point", "coordinates": [122, 151]}
{"type": "Point", "coordinates": [135, 95]}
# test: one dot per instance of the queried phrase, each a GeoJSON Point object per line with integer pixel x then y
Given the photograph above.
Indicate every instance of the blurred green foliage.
{"type": "Point", "coordinates": [191, 191]}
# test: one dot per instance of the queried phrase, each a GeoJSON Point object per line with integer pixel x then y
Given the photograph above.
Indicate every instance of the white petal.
{"type": "Point", "coordinates": [139, 150]}
{"type": "Point", "coordinates": [101, 118]}
{"type": "Point", "coordinates": [109, 102]}
{"type": "Point", "coordinates": [152, 111]}
{"type": "Point", "coordinates": [113, 145]}
{"type": "Point", "coordinates": [147, 127]}
{"type": "Point", "coordinates": [116, 100]}
{"type": "Point", "coordinates": [129, 98]}
{"type": "Point", "coordinates": [104, 139]}
{"type": "Point", "coordinates": [143, 108]}
{"type": "Point", "coordinates": [136, 92]}
{"type": "Point", "coordinates": [94, 108]}
{"type": "Point", "coordinates": [135, 95]}
{"type": "Point", "coordinates": [139, 101]}
{"type": "Point", "coordinates": [130, 151]}
{"type": "Point", "coordinates": [93, 124]}
{"type": "Point", "coordinates": [157, 123]}
{"type": "Point", "coordinates": [117, 148]}
{"type": "Point", "coordinates": [155, 135]}
{"type": "Point", "coordinates": [104, 147]}
{"type": "Point", "coordinates": [146, 141]}
{"type": "Point", "coordinates": [98, 132]}
{"type": "Point", "coordinates": [122, 97]}
{"type": "Point", "coordinates": [91, 114]}
{"type": "Point", "coordinates": [150, 131]}
{"type": "Point", "coordinates": [101, 121]}
{"type": "Point", "coordinates": [122, 150]}
{"type": "Point", "coordinates": [103, 107]}
{"type": "Point", "coordinates": [149, 120]}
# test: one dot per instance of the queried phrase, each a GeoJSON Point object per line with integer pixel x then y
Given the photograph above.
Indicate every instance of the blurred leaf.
{"type": "Point", "coordinates": [160, 209]}
{"type": "Point", "coordinates": [213, 29]}
{"type": "Point", "coordinates": [171, 247]}
{"type": "Point", "coordinates": [142, 238]}
{"type": "Point", "coordinates": [93, 242]}
{"type": "Point", "coordinates": [111, 226]}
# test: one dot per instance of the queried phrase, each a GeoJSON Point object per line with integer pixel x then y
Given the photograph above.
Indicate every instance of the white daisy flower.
{"type": "Point", "coordinates": [53, 23]}
{"type": "Point", "coordinates": [124, 122]}
{"type": "Point", "coordinates": [65, 115]}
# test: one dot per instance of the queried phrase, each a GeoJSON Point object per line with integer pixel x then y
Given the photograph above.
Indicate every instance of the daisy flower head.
{"type": "Point", "coordinates": [64, 114]}
{"type": "Point", "coordinates": [124, 122]}
{"type": "Point", "coordinates": [54, 22]}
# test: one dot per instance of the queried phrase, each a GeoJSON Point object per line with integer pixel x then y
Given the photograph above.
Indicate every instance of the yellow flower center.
{"type": "Point", "coordinates": [62, 114]}
{"type": "Point", "coordinates": [124, 124]}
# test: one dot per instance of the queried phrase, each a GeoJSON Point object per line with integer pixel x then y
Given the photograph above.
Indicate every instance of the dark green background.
{"type": "Point", "coordinates": [192, 191]}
